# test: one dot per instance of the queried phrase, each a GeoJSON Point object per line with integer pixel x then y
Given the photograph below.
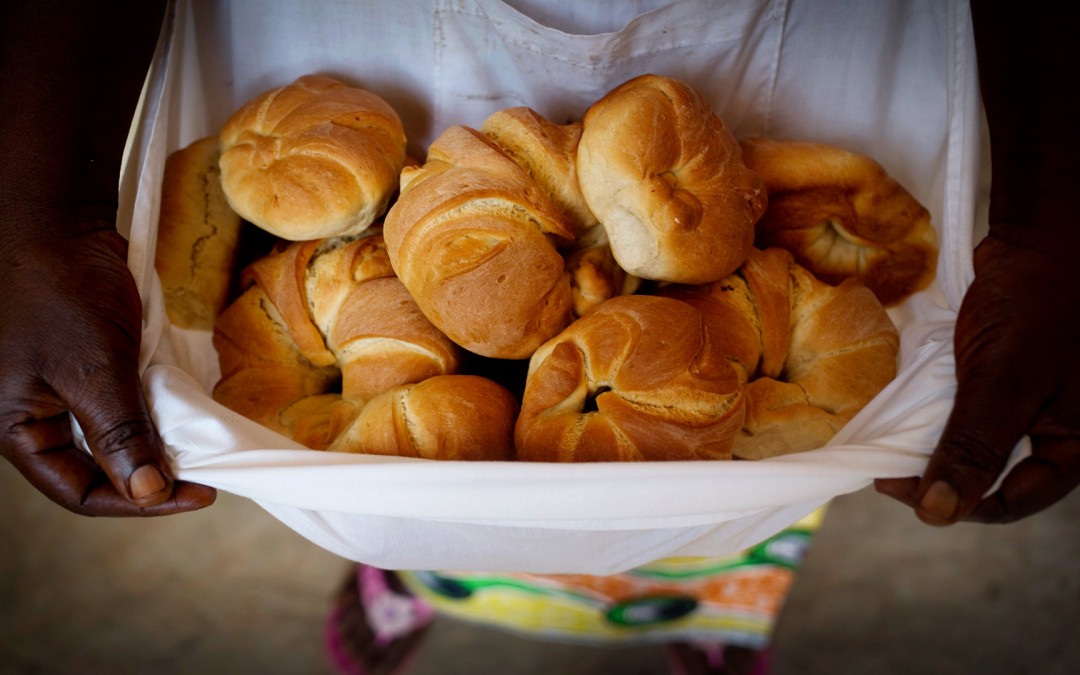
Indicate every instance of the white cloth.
{"type": "Point", "coordinates": [893, 79]}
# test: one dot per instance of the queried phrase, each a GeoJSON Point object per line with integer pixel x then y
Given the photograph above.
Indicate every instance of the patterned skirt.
{"type": "Point", "coordinates": [732, 600]}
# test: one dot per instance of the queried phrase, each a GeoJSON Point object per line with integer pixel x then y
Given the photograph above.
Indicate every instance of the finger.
{"type": "Point", "coordinates": [114, 417]}
{"type": "Point", "coordinates": [42, 450]}
{"type": "Point", "coordinates": [48, 459]}
{"type": "Point", "coordinates": [980, 434]}
{"type": "Point", "coordinates": [1036, 483]}
{"type": "Point", "coordinates": [962, 469]}
{"type": "Point", "coordinates": [104, 500]}
{"type": "Point", "coordinates": [901, 489]}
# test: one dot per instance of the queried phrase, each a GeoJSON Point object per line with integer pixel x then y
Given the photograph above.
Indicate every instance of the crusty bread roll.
{"type": "Point", "coordinates": [323, 317]}
{"type": "Point", "coordinates": [446, 417]}
{"type": "Point", "coordinates": [471, 237]}
{"type": "Point", "coordinates": [263, 372]}
{"type": "Point", "coordinates": [843, 216]}
{"type": "Point", "coordinates": [313, 159]}
{"type": "Point", "coordinates": [595, 275]}
{"type": "Point", "coordinates": [812, 354]}
{"type": "Point", "coordinates": [666, 179]}
{"type": "Point", "coordinates": [198, 235]}
{"type": "Point", "coordinates": [548, 152]}
{"type": "Point", "coordinates": [638, 378]}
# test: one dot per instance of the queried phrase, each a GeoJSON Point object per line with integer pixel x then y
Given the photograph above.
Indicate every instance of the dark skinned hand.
{"type": "Point", "coordinates": [70, 324]}
{"type": "Point", "coordinates": [1018, 328]}
{"type": "Point", "coordinates": [1017, 373]}
{"type": "Point", "coordinates": [66, 348]}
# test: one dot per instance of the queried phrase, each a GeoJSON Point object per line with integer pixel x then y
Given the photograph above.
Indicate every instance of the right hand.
{"type": "Point", "coordinates": [70, 328]}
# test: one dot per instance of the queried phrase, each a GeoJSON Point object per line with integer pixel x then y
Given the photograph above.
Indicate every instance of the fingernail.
{"type": "Point", "coordinates": [146, 481]}
{"type": "Point", "coordinates": [940, 502]}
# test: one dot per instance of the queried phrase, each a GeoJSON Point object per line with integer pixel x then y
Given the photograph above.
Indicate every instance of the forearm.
{"type": "Point", "coordinates": [1028, 67]}
{"type": "Point", "coordinates": [71, 73]}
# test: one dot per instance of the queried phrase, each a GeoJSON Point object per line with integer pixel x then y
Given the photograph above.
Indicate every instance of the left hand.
{"type": "Point", "coordinates": [1018, 373]}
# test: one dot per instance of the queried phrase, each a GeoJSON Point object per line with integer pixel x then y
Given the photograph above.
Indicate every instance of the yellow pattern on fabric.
{"type": "Point", "coordinates": [733, 599]}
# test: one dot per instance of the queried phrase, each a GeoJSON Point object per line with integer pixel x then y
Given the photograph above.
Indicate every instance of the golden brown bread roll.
{"type": "Point", "coordinates": [843, 216]}
{"type": "Point", "coordinates": [638, 378]}
{"type": "Point", "coordinates": [595, 275]}
{"type": "Point", "coordinates": [198, 235]}
{"type": "Point", "coordinates": [813, 355]}
{"type": "Point", "coordinates": [473, 238]}
{"type": "Point", "coordinates": [323, 317]}
{"type": "Point", "coordinates": [313, 159]}
{"type": "Point", "coordinates": [262, 369]}
{"type": "Point", "coordinates": [666, 179]}
{"type": "Point", "coordinates": [548, 152]}
{"type": "Point", "coordinates": [447, 417]}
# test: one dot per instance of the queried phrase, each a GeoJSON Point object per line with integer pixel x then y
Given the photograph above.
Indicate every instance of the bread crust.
{"type": "Point", "coordinates": [445, 417]}
{"type": "Point", "coordinates": [843, 216]}
{"type": "Point", "coordinates": [812, 355]}
{"type": "Point", "coordinates": [665, 177]}
{"type": "Point", "coordinates": [197, 237]}
{"type": "Point", "coordinates": [313, 159]}
{"type": "Point", "coordinates": [638, 378]}
{"type": "Point", "coordinates": [474, 239]}
{"type": "Point", "coordinates": [548, 153]}
{"type": "Point", "coordinates": [323, 319]}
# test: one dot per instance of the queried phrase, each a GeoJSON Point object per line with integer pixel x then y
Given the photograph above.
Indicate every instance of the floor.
{"type": "Point", "coordinates": [232, 590]}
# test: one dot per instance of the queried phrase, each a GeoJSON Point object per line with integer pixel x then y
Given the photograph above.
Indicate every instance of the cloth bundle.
{"type": "Point", "coordinates": [894, 81]}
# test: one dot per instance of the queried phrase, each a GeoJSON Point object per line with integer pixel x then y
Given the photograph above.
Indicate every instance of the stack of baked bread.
{"type": "Point", "coordinates": [636, 285]}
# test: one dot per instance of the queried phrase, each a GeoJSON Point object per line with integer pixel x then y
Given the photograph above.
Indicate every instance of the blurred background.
{"type": "Point", "coordinates": [232, 590]}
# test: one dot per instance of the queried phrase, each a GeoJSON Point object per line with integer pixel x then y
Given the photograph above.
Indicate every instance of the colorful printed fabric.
{"type": "Point", "coordinates": [734, 600]}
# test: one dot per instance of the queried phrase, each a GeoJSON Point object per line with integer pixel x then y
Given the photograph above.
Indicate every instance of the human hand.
{"type": "Point", "coordinates": [1017, 336]}
{"type": "Point", "coordinates": [70, 328]}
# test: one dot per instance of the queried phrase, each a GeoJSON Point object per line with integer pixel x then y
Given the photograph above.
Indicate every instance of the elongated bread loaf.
{"type": "Point", "coordinates": [198, 235]}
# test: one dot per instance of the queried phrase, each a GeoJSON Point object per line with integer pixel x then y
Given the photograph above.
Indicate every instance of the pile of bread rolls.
{"type": "Point", "coordinates": [636, 285]}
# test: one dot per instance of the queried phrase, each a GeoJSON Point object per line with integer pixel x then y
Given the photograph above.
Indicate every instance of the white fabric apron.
{"type": "Point", "coordinates": [893, 79]}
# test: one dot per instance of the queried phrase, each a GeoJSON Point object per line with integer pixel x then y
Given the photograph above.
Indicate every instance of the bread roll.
{"type": "Point", "coordinates": [317, 421]}
{"type": "Point", "coordinates": [638, 378]}
{"type": "Point", "coordinates": [198, 234]}
{"type": "Point", "coordinates": [666, 179]}
{"type": "Point", "coordinates": [474, 239]}
{"type": "Point", "coordinates": [812, 354]}
{"type": "Point", "coordinates": [447, 417]}
{"type": "Point", "coordinates": [843, 216]}
{"type": "Point", "coordinates": [313, 159]}
{"type": "Point", "coordinates": [595, 275]}
{"type": "Point", "coordinates": [323, 318]}
{"type": "Point", "coordinates": [548, 152]}
{"type": "Point", "coordinates": [263, 372]}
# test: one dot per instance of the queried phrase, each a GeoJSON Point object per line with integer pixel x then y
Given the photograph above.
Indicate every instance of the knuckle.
{"type": "Point", "coordinates": [970, 457]}
{"type": "Point", "coordinates": [120, 436]}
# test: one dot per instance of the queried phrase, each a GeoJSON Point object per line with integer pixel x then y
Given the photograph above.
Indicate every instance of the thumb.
{"type": "Point", "coordinates": [979, 436]}
{"type": "Point", "coordinates": [121, 436]}
{"type": "Point", "coordinates": [1002, 342]}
